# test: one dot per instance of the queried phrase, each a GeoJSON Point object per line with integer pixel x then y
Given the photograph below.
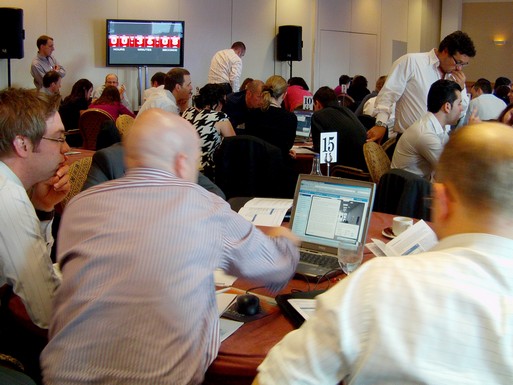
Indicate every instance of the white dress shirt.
{"type": "Point", "coordinates": [226, 67]}
{"type": "Point", "coordinates": [25, 248]}
{"type": "Point", "coordinates": [419, 148]}
{"type": "Point", "coordinates": [441, 317]}
{"type": "Point", "coordinates": [408, 85]}
{"type": "Point", "coordinates": [488, 106]}
{"type": "Point", "coordinates": [162, 99]}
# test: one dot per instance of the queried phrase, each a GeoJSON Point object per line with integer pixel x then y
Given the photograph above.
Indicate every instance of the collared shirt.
{"type": "Point", "coordinates": [419, 148]}
{"type": "Point", "coordinates": [25, 248]}
{"type": "Point", "coordinates": [43, 64]}
{"type": "Point", "coordinates": [163, 99]}
{"type": "Point", "coordinates": [137, 303]}
{"type": "Point", "coordinates": [226, 67]}
{"type": "Point", "coordinates": [408, 85]}
{"type": "Point", "coordinates": [151, 90]}
{"type": "Point", "coordinates": [441, 317]}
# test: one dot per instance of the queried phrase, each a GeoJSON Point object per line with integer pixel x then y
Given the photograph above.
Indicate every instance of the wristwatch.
{"type": "Point", "coordinates": [381, 124]}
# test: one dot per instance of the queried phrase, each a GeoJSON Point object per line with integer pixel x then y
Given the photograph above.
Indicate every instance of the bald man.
{"type": "Point", "coordinates": [137, 302]}
{"type": "Point", "coordinates": [112, 80]}
{"type": "Point", "coordinates": [440, 317]}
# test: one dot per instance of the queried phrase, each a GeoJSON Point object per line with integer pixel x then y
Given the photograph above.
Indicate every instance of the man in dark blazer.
{"type": "Point", "coordinates": [351, 134]}
{"type": "Point", "coordinates": [108, 163]}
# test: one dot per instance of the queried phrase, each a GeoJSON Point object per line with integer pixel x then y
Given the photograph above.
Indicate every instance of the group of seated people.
{"type": "Point", "coordinates": [157, 165]}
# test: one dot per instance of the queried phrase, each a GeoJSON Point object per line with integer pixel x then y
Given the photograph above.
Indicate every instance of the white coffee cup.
{"type": "Point", "coordinates": [400, 224]}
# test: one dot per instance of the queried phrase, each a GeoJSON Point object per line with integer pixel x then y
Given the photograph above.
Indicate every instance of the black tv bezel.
{"type": "Point", "coordinates": [182, 45]}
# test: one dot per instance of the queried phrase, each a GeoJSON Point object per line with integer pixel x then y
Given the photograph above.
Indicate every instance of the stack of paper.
{"type": "Point", "coordinates": [266, 211]}
{"type": "Point", "coordinates": [417, 239]}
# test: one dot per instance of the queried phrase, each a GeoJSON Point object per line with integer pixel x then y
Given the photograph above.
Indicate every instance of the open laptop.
{"type": "Point", "coordinates": [327, 211]}
{"type": "Point", "coordinates": [304, 125]}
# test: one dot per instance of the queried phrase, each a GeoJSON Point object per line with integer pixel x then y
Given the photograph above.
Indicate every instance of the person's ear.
{"type": "Point", "coordinates": [443, 205]}
{"type": "Point", "coordinates": [182, 166]}
{"type": "Point", "coordinates": [22, 146]}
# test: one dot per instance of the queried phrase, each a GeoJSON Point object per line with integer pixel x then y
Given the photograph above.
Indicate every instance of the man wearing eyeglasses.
{"type": "Point", "coordinates": [33, 179]}
{"type": "Point", "coordinates": [411, 77]}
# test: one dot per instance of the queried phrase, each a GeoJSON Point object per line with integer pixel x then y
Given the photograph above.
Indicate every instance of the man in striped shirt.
{"type": "Point", "coordinates": [137, 302]}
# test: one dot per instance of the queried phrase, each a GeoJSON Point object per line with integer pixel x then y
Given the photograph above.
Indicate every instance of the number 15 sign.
{"type": "Point", "coordinates": [328, 147]}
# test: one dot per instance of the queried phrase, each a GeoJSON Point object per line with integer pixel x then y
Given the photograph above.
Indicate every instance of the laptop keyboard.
{"type": "Point", "coordinates": [319, 259]}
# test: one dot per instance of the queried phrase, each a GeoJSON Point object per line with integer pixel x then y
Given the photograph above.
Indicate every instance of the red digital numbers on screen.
{"type": "Point", "coordinates": [141, 41]}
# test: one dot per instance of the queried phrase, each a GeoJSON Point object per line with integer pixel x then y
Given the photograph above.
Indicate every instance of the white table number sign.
{"type": "Point", "coordinates": [328, 147]}
{"type": "Point", "coordinates": [308, 103]}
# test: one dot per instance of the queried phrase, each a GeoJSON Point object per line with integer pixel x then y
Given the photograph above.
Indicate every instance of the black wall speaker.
{"type": "Point", "coordinates": [290, 43]}
{"type": "Point", "coordinates": [11, 30]}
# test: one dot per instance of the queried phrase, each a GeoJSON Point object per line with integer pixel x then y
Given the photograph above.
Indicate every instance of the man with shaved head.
{"type": "Point", "coordinates": [438, 317]}
{"type": "Point", "coordinates": [137, 302]}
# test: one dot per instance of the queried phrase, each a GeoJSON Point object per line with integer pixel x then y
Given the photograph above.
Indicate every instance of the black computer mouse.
{"type": "Point", "coordinates": [248, 304]}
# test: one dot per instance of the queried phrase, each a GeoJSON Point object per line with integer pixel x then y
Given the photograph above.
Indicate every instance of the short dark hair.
{"type": "Point", "coordinates": [344, 79]}
{"type": "Point", "coordinates": [458, 41]}
{"type": "Point", "coordinates": [501, 81]}
{"type": "Point", "coordinates": [175, 76]}
{"type": "Point", "coordinates": [210, 95]}
{"type": "Point", "coordinates": [326, 96]}
{"type": "Point", "coordinates": [441, 92]}
{"type": "Point", "coordinates": [50, 77]}
{"type": "Point", "coordinates": [483, 85]}
{"type": "Point", "coordinates": [42, 40]}
{"type": "Point", "coordinates": [240, 45]}
{"type": "Point", "coordinates": [158, 77]}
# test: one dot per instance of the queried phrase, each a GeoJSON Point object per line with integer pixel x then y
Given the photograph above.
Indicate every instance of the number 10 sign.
{"type": "Point", "coordinates": [328, 147]}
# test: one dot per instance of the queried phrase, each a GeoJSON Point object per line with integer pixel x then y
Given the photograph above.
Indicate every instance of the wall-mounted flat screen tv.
{"type": "Point", "coordinates": [145, 43]}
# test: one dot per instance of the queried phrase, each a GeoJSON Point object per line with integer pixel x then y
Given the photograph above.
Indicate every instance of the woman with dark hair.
{"type": "Point", "coordinates": [358, 90]}
{"type": "Point", "coordinates": [211, 123]}
{"type": "Point", "coordinates": [110, 102]}
{"type": "Point", "coordinates": [78, 100]}
{"type": "Point", "coordinates": [296, 91]}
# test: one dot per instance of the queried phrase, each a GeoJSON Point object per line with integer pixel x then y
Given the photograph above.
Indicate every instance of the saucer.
{"type": "Point", "coordinates": [388, 233]}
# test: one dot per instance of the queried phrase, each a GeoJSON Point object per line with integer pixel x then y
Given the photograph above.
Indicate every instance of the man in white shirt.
{"type": "Point", "coordinates": [411, 76]}
{"type": "Point", "coordinates": [157, 85]}
{"type": "Point", "coordinates": [44, 61]}
{"type": "Point", "coordinates": [33, 179]}
{"type": "Point", "coordinates": [226, 66]}
{"type": "Point", "coordinates": [419, 148]}
{"type": "Point", "coordinates": [484, 104]}
{"type": "Point", "coordinates": [175, 95]}
{"type": "Point", "coordinates": [112, 80]}
{"type": "Point", "coordinates": [438, 317]}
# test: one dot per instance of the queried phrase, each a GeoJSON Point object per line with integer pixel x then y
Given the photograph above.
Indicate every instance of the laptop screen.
{"type": "Point", "coordinates": [329, 210]}
{"type": "Point", "coordinates": [304, 123]}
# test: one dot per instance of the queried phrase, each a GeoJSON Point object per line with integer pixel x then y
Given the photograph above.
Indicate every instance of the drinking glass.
{"type": "Point", "coordinates": [350, 256]}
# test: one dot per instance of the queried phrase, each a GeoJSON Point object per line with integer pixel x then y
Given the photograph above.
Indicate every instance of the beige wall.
{"type": "Point", "coordinates": [484, 21]}
{"type": "Point", "coordinates": [369, 27]}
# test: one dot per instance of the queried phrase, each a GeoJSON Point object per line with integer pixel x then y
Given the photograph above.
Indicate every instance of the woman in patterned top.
{"type": "Point", "coordinates": [212, 124]}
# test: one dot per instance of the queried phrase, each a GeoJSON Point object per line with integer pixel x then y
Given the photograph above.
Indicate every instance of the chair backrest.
{"type": "Point", "coordinates": [124, 123]}
{"type": "Point", "coordinates": [89, 125]}
{"type": "Point", "coordinates": [78, 171]}
{"type": "Point", "coordinates": [247, 166]}
{"type": "Point", "coordinates": [349, 172]}
{"type": "Point", "coordinates": [401, 192]}
{"type": "Point", "coordinates": [389, 147]}
{"type": "Point", "coordinates": [377, 160]}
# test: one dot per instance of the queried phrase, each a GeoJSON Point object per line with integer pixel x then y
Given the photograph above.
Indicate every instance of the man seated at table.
{"type": "Point", "coordinates": [238, 104]}
{"type": "Point", "coordinates": [112, 80]}
{"type": "Point", "coordinates": [33, 179]}
{"type": "Point", "coordinates": [329, 116]}
{"type": "Point", "coordinates": [137, 302]}
{"type": "Point", "coordinates": [439, 317]}
{"type": "Point", "coordinates": [108, 164]}
{"type": "Point", "coordinates": [419, 148]}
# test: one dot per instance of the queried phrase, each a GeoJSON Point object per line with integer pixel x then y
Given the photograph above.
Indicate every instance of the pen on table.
{"type": "Point", "coordinates": [223, 290]}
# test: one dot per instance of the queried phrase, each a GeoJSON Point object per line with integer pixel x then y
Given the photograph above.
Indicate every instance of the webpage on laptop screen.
{"type": "Point", "coordinates": [329, 213]}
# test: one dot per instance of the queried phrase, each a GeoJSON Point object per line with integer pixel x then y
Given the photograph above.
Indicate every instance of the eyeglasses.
{"type": "Point", "coordinates": [458, 63]}
{"type": "Point", "coordinates": [61, 140]}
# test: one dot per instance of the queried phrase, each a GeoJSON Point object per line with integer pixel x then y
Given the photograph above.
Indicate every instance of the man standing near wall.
{"type": "Point", "coordinates": [226, 66]}
{"type": "Point", "coordinates": [44, 61]}
{"type": "Point", "coordinates": [411, 77]}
